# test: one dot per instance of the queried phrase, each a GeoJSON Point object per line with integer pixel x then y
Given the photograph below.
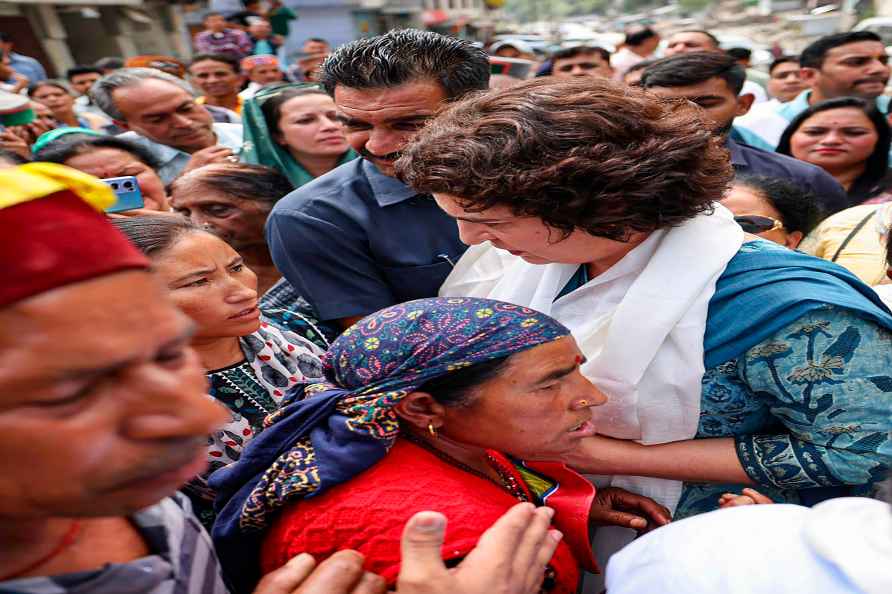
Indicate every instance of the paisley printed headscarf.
{"type": "Point", "coordinates": [328, 432]}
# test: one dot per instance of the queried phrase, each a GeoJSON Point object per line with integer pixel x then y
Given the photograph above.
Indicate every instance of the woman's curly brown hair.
{"type": "Point", "coordinates": [584, 154]}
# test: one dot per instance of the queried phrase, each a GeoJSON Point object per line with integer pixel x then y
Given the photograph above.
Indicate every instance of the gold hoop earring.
{"type": "Point", "coordinates": [431, 430]}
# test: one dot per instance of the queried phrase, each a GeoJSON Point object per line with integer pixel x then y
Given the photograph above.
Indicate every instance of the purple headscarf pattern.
{"type": "Point", "coordinates": [332, 431]}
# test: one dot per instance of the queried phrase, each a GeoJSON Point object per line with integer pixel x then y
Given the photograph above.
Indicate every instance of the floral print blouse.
{"type": "Point", "coordinates": [809, 408]}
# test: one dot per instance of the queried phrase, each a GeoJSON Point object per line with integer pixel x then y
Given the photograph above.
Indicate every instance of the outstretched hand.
{"type": "Point", "coordinates": [617, 507]}
{"type": "Point", "coordinates": [510, 557]}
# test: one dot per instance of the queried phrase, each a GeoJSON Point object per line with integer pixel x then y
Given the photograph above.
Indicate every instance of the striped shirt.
{"type": "Point", "coordinates": [182, 561]}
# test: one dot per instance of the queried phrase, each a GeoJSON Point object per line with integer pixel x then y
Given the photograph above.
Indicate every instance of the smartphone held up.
{"type": "Point", "coordinates": [127, 191]}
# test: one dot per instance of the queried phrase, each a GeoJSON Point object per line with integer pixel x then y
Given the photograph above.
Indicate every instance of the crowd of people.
{"type": "Point", "coordinates": [416, 315]}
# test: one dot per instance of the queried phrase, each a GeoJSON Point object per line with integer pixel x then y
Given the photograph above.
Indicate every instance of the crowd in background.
{"type": "Point", "coordinates": [471, 319]}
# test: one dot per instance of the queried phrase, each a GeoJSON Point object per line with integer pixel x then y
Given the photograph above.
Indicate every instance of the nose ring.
{"type": "Point", "coordinates": [583, 403]}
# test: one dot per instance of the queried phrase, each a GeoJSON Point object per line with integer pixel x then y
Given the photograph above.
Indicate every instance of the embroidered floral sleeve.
{"type": "Point", "coordinates": [827, 378]}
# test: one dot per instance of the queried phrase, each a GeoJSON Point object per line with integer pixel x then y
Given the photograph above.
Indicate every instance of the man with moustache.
{"type": "Point", "coordinates": [852, 64]}
{"type": "Point", "coordinates": [357, 239]}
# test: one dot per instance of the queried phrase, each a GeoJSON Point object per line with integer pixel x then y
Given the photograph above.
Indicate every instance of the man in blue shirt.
{"type": "Point", "coordinates": [852, 64]}
{"type": "Point", "coordinates": [713, 82]}
{"type": "Point", "coordinates": [357, 239]}
{"type": "Point", "coordinates": [24, 65]}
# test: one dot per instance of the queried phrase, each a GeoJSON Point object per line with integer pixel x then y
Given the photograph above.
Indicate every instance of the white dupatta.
{"type": "Point", "coordinates": [640, 324]}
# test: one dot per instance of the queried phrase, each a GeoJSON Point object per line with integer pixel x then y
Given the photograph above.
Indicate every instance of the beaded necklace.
{"type": "Point", "coordinates": [507, 480]}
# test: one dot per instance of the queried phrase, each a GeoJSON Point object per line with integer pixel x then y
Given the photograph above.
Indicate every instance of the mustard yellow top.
{"type": "Point", "coordinates": [865, 254]}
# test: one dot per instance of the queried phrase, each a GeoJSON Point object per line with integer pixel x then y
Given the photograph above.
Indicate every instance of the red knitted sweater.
{"type": "Point", "coordinates": [368, 513]}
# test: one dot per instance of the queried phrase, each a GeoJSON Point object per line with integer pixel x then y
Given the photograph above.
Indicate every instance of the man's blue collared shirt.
{"type": "Point", "coordinates": [27, 66]}
{"type": "Point", "coordinates": [354, 241]}
{"type": "Point", "coordinates": [747, 160]}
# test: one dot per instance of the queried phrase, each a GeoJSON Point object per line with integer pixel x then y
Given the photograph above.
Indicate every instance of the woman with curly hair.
{"type": "Point", "coordinates": [728, 361]}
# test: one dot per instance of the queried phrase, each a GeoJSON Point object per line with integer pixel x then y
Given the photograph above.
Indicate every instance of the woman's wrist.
{"type": "Point", "coordinates": [606, 455]}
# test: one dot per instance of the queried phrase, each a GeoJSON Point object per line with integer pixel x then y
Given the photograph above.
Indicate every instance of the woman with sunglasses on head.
{"type": "Point", "coordinates": [850, 139]}
{"type": "Point", "coordinates": [294, 128]}
{"type": "Point", "coordinates": [773, 209]}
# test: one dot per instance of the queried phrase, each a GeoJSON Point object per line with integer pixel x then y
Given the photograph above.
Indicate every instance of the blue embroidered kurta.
{"type": "Point", "coordinates": [809, 406]}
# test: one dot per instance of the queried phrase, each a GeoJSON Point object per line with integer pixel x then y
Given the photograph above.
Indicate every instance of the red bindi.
{"type": "Point", "coordinates": [579, 359]}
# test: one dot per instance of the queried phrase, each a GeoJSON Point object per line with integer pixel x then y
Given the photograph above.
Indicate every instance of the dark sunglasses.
{"type": "Point", "coordinates": [758, 223]}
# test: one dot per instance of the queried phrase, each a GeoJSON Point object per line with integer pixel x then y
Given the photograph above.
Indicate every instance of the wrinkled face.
{"type": "Point", "coordinates": [381, 122]}
{"type": "Point", "coordinates": [237, 221]}
{"type": "Point", "coordinates": [583, 65]}
{"type": "Point", "coordinates": [713, 96]}
{"type": "Point", "coordinates": [104, 408]}
{"type": "Point", "coordinates": [856, 69]}
{"type": "Point", "coordinates": [165, 113]}
{"type": "Point", "coordinates": [526, 237]}
{"type": "Point", "coordinates": [209, 283]}
{"type": "Point", "coordinates": [687, 42]}
{"type": "Point", "coordinates": [215, 79]}
{"type": "Point", "coordinates": [538, 407]}
{"type": "Point", "coordinates": [743, 201]}
{"type": "Point", "coordinates": [785, 83]}
{"type": "Point", "coordinates": [81, 83]}
{"type": "Point", "coordinates": [265, 74]}
{"type": "Point", "coordinates": [309, 125]}
{"type": "Point", "coordinates": [110, 162]}
{"type": "Point", "coordinates": [835, 139]}
{"type": "Point", "coordinates": [216, 23]}
{"type": "Point", "coordinates": [58, 100]}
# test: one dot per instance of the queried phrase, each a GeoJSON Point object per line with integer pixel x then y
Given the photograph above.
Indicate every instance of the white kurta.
{"type": "Point", "coordinates": [640, 324]}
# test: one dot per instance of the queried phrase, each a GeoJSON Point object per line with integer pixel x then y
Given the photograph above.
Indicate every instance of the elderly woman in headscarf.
{"type": "Point", "coordinates": [294, 129]}
{"type": "Point", "coordinates": [436, 404]}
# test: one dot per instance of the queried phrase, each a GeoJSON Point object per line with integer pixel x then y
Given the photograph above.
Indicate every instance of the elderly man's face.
{"type": "Point", "coordinates": [381, 122]}
{"type": "Point", "coordinates": [165, 113]}
{"type": "Point", "coordinates": [104, 407]}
